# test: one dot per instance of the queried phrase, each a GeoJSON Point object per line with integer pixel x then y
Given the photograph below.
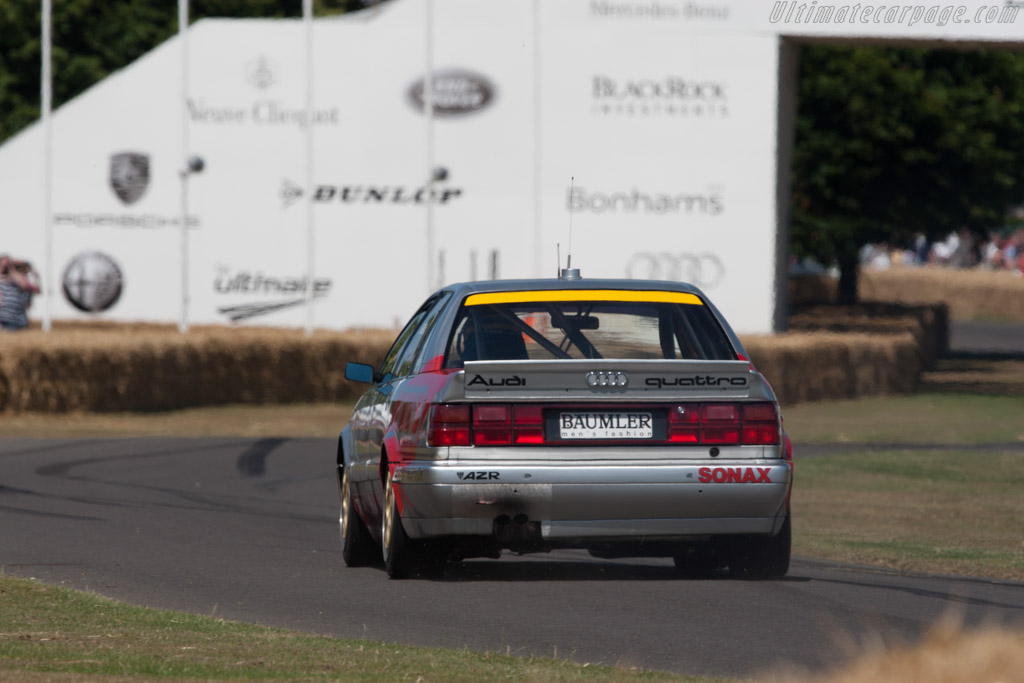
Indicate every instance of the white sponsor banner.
{"type": "Point", "coordinates": [652, 130]}
{"type": "Point", "coordinates": [672, 146]}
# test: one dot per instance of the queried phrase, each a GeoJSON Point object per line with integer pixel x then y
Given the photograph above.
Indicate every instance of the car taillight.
{"type": "Point", "coordinates": [492, 424]}
{"type": "Point", "coordinates": [449, 425]}
{"type": "Point", "coordinates": [684, 423]}
{"type": "Point", "coordinates": [760, 424]}
{"type": "Point", "coordinates": [485, 424]}
{"type": "Point", "coordinates": [504, 424]}
{"type": "Point", "coordinates": [720, 423]}
{"type": "Point", "coordinates": [528, 425]}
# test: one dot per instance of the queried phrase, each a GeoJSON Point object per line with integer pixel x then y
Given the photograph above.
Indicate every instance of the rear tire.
{"type": "Point", "coordinates": [357, 547]}
{"type": "Point", "coordinates": [762, 557]}
{"type": "Point", "coordinates": [405, 558]}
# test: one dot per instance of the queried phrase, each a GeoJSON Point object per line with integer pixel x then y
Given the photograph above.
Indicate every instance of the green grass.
{"type": "Point", "coordinates": [951, 512]}
{"type": "Point", "coordinates": [933, 418]}
{"type": "Point", "coordinates": [50, 630]}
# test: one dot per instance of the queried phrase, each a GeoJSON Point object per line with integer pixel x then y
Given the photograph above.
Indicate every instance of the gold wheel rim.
{"type": "Point", "coordinates": [344, 504]}
{"type": "Point", "coordinates": [389, 515]}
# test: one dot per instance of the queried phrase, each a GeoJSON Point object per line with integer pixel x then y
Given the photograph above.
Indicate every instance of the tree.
{"type": "Point", "coordinates": [92, 38]}
{"type": "Point", "coordinates": [891, 143]}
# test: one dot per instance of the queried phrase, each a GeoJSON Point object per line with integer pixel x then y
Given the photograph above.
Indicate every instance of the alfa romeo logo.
{"type": "Point", "coordinates": [609, 378]}
{"type": "Point", "coordinates": [92, 282]}
{"type": "Point", "coordinates": [129, 175]}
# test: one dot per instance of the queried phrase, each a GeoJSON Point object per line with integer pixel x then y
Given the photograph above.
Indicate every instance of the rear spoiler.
{"type": "Point", "coordinates": [601, 380]}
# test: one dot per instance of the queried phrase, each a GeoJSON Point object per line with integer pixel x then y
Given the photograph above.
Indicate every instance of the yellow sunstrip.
{"type": "Point", "coordinates": [646, 296]}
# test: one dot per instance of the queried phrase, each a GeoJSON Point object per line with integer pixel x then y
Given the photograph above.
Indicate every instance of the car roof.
{"type": "Point", "coordinates": [465, 288]}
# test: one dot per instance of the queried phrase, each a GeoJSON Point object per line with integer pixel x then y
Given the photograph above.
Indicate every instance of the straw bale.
{"type": "Point", "coordinates": [814, 366]}
{"type": "Point", "coordinates": [149, 368]}
{"type": "Point", "coordinates": [102, 368]}
{"type": "Point", "coordinates": [928, 324]}
{"type": "Point", "coordinates": [970, 294]}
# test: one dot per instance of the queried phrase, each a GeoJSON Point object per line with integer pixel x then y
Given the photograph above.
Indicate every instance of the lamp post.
{"type": "Point", "coordinates": [195, 164]}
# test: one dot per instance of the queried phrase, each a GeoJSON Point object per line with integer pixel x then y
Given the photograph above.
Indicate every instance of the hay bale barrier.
{"type": "Point", "coordinates": [832, 353]}
{"type": "Point", "coordinates": [118, 368]}
{"type": "Point", "coordinates": [816, 366]}
{"type": "Point", "coordinates": [927, 323]}
{"type": "Point", "coordinates": [968, 293]}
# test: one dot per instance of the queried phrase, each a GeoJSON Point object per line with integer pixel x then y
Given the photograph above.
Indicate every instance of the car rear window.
{"type": "Point", "coordinates": [490, 328]}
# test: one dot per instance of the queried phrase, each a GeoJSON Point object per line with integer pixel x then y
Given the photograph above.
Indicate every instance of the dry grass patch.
{"type": "Point", "coordinates": [947, 654]}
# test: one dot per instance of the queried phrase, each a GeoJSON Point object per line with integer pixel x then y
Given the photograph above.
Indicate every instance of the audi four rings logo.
{"type": "Point", "coordinates": [612, 378]}
{"type": "Point", "coordinates": [704, 270]}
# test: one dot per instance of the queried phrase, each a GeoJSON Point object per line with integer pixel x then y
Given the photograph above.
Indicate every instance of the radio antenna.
{"type": "Point", "coordinates": [572, 193]}
{"type": "Point", "coordinates": [558, 258]}
{"type": "Point", "coordinates": [569, 273]}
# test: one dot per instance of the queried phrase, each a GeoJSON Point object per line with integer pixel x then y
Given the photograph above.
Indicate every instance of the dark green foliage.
{"type": "Point", "coordinates": [895, 142]}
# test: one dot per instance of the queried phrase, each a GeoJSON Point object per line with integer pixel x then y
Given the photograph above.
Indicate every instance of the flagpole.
{"type": "Point", "coordinates": [538, 244]}
{"type": "Point", "coordinates": [46, 105]}
{"type": "Point", "coordinates": [183, 39]}
{"type": "Point", "coordinates": [428, 111]}
{"type": "Point", "coordinates": [307, 20]}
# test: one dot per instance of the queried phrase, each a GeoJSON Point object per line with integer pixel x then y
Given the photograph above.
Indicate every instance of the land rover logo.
{"type": "Point", "coordinates": [129, 175]}
{"type": "Point", "coordinates": [608, 378]}
{"type": "Point", "coordinates": [457, 92]}
{"type": "Point", "coordinates": [92, 282]}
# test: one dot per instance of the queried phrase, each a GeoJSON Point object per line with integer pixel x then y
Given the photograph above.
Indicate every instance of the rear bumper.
{"type": "Point", "coordinates": [593, 501]}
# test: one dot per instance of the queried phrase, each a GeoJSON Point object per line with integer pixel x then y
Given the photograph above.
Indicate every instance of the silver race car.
{"type": "Point", "coordinates": [619, 416]}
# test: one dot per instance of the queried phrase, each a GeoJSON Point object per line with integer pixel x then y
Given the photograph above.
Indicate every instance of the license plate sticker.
{"type": "Point", "coordinates": [612, 425]}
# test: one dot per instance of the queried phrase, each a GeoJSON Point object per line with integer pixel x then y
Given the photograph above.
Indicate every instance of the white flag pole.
{"type": "Point", "coordinates": [428, 112]}
{"type": "Point", "coordinates": [183, 39]}
{"type": "Point", "coordinates": [46, 105]}
{"type": "Point", "coordinates": [307, 20]}
{"type": "Point", "coordinates": [538, 245]}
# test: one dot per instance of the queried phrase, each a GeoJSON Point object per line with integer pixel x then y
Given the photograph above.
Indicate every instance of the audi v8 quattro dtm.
{"type": "Point", "coordinates": [623, 417]}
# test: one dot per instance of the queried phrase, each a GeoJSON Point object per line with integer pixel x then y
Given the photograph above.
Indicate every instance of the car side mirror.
{"type": "Point", "coordinates": [359, 372]}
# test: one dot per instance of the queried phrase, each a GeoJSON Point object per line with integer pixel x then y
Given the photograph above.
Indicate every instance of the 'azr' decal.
{"type": "Point", "coordinates": [735, 475]}
{"type": "Point", "coordinates": [477, 475]}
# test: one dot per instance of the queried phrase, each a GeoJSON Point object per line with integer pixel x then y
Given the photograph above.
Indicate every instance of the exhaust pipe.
{"type": "Point", "coordinates": [517, 529]}
{"type": "Point", "coordinates": [503, 528]}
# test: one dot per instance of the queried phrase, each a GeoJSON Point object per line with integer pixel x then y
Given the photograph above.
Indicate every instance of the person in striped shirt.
{"type": "Point", "coordinates": [17, 286]}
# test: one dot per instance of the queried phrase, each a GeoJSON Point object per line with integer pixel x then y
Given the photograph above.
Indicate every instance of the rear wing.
{"type": "Point", "coordinates": [601, 380]}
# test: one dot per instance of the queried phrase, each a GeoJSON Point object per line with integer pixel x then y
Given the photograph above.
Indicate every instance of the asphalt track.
{"type": "Point", "coordinates": [246, 529]}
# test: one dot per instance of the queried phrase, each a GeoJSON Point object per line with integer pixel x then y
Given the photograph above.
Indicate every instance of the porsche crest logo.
{"type": "Point", "coordinates": [129, 175]}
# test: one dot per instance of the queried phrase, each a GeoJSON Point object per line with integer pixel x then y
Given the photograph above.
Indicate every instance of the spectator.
{"type": "Point", "coordinates": [1014, 251]}
{"type": "Point", "coordinates": [992, 251]}
{"type": "Point", "coordinates": [18, 284]}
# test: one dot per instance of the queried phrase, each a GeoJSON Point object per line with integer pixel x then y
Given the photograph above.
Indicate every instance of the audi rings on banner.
{"type": "Point", "coordinates": [704, 270]}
